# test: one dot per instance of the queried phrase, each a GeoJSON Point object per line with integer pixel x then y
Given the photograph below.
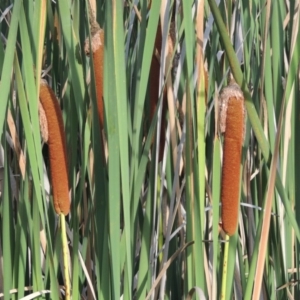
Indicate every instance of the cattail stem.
{"type": "Point", "coordinates": [225, 268]}
{"type": "Point", "coordinates": [57, 150]}
{"type": "Point", "coordinates": [65, 256]}
{"type": "Point", "coordinates": [232, 117]}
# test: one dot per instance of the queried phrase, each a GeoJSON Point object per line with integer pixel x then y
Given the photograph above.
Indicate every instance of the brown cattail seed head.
{"type": "Point", "coordinates": [57, 150]}
{"type": "Point", "coordinates": [154, 84]}
{"type": "Point", "coordinates": [97, 44]}
{"type": "Point", "coordinates": [232, 124]}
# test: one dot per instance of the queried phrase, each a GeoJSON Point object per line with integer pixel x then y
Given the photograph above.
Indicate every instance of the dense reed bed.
{"type": "Point", "coordinates": [158, 218]}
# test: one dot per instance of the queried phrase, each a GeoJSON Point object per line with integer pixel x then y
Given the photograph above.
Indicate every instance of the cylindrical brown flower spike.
{"type": "Point", "coordinates": [154, 85]}
{"type": "Point", "coordinates": [154, 91]}
{"type": "Point", "coordinates": [232, 124]}
{"type": "Point", "coordinates": [97, 44]}
{"type": "Point", "coordinates": [57, 150]}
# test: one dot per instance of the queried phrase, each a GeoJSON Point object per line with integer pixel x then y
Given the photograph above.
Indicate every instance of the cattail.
{"type": "Point", "coordinates": [154, 90]}
{"type": "Point", "coordinates": [57, 150]}
{"type": "Point", "coordinates": [97, 44]}
{"type": "Point", "coordinates": [232, 122]}
{"type": "Point", "coordinates": [154, 85]}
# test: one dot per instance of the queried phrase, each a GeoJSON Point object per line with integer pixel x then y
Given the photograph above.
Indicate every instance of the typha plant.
{"type": "Point", "coordinates": [52, 129]}
{"type": "Point", "coordinates": [232, 124]}
{"type": "Point", "coordinates": [95, 47]}
{"type": "Point", "coordinates": [154, 84]}
{"type": "Point", "coordinates": [154, 89]}
{"type": "Point", "coordinates": [53, 133]}
{"type": "Point", "coordinates": [97, 51]}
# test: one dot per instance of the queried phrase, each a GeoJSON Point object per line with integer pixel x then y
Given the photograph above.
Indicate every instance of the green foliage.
{"type": "Point", "coordinates": [141, 227]}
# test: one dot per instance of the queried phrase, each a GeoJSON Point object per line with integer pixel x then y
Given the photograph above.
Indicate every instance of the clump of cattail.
{"type": "Point", "coordinates": [232, 124]}
{"type": "Point", "coordinates": [53, 133]}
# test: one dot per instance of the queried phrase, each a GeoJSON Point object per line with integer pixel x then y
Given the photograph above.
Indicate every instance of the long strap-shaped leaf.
{"type": "Point", "coordinates": [117, 126]}
{"type": "Point", "coordinates": [8, 61]}
{"type": "Point", "coordinates": [120, 77]}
